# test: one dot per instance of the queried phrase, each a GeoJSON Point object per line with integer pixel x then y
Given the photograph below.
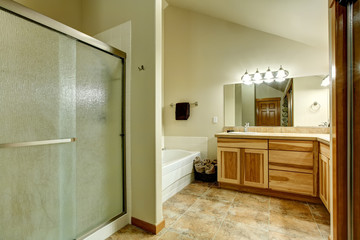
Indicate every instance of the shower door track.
{"type": "Point", "coordinates": [37, 143]}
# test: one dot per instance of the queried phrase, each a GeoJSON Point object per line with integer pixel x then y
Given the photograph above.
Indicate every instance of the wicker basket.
{"type": "Point", "coordinates": [206, 177]}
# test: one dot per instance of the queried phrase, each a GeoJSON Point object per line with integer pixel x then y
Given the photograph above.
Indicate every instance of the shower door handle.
{"type": "Point", "coordinates": [37, 143]}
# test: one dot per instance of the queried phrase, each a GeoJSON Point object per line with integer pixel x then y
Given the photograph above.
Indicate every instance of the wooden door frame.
{"type": "Point", "coordinates": [278, 115]}
{"type": "Point", "coordinates": [290, 99]}
{"type": "Point", "coordinates": [339, 120]}
{"type": "Point", "coordinates": [356, 123]}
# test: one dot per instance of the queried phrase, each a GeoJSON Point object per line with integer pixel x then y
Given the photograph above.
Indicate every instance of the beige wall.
{"type": "Point", "coordinates": [68, 12]}
{"type": "Point", "coordinates": [204, 53]}
{"type": "Point", "coordinates": [307, 90]}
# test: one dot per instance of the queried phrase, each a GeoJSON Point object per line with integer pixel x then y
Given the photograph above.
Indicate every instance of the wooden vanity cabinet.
{"type": "Point", "coordinates": [285, 168]}
{"type": "Point", "coordinates": [324, 175]}
{"type": "Point", "coordinates": [243, 162]}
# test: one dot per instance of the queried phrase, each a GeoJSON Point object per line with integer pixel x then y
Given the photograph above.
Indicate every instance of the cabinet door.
{"type": "Point", "coordinates": [324, 180]}
{"type": "Point", "coordinates": [255, 168]}
{"type": "Point", "coordinates": [229, 165]}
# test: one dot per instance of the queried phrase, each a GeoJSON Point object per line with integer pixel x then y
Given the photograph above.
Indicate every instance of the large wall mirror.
{"type": "Point", "coordinates": [302, 101]}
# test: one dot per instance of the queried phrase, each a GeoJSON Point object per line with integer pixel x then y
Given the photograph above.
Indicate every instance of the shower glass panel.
{"type": "Point", "coordinates": [37, 102]}
{"type": "Point", "coordinates": [99, 148]}
{"type": "Point", "coordinates": [52, 88]}
{"type": "Point", "coordinates": [37, 82]}
{"type": "Point", "coordinates": [37, 189]}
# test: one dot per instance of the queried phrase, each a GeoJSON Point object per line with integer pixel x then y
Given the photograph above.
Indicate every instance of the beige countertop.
{"type": "Point", "coordinates": [324, 138]}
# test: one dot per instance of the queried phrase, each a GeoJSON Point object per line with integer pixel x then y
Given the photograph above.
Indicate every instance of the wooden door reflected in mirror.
{"type": "Point", "coordinates": [268, 112]}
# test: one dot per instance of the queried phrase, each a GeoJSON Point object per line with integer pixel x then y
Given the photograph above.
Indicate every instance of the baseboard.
{"type": "Point", "coordinates": [151, 228]}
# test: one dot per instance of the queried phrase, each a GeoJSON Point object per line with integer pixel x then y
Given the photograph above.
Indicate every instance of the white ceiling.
{"type": "Point", "coordinates": [305, 21]}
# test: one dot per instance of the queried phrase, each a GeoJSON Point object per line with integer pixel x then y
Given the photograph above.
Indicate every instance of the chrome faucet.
{"type": "Point", "coordinates": [247, 125]}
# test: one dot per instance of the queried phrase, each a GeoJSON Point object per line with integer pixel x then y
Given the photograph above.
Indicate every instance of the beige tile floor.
{"type": "Point", "coordinates": [204, 211]}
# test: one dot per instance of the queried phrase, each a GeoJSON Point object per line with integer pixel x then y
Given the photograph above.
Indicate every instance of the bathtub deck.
{"type": "Point", "coordinates": [203, 211]}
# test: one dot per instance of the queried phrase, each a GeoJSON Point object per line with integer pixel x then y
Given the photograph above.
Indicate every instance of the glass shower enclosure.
{"type": "Point", "coordinates": [61, 129]}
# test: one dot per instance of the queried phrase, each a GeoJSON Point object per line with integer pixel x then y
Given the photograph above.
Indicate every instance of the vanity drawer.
{"type": "Point", "coordinates": [300, 183]}
{"type": "Point", "coordinates": [291, 161]}
{"type": "Point", "coordinates": [243, 143]}
{"type": "Point", "coordinates": [302, 146]}
{"type": "Point", "coordinates": [325, 150]}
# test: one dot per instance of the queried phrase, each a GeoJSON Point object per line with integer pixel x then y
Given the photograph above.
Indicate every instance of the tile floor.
{"type": "Point", "coordinates": [204, 211]}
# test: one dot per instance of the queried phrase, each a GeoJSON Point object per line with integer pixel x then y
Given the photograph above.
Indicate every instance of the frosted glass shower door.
{"type": "Point", "coordinates": [37, 103]}
{"type": "Point", "coordinates": [99, 170]}
{"type": "Point", "coordinates": [61, 133]}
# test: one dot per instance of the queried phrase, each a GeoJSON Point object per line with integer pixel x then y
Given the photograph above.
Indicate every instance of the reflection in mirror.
{"type": "Point", "coordinates": [295, 102]}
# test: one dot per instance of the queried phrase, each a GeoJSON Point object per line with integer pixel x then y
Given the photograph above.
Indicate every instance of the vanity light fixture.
{"type": "Point", "coordinates": [281, 73]}
{"type": "Point", "coordinates": [268, 76]}
{"type": "Point", "coordinates": [246, 77]}
{"type": "Point", "coordinates": [257, 75]}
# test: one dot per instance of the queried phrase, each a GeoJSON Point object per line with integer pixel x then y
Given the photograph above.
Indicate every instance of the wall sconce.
{"type": "Point", "coordinates": [268, 76]}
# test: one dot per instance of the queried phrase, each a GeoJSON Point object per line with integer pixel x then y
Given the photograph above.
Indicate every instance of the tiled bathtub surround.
{"type": "Point", "coordinates": [204, 211]}
{"type": "Point", "coordinates": [319, 130]}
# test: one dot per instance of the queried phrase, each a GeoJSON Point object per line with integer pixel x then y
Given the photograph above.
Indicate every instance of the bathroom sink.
{"type": "Point", "coordinates": [245, 133]}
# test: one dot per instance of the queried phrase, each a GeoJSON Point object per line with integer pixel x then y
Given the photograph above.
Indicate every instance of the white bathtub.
{"type": "Point", "coordinates": [177, 171]}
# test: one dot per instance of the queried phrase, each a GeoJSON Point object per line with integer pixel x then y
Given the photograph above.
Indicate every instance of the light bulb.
{"type": "Point", "coordinates": [257, 76]}
{"type": "Point", "coordinates": [246, 77]}
{"type": "Point", "coordinates": [281, 73]}
{"type": "Point", "coordinates": [258, 81]}
{"type": "Point", "coordinates": [280, 79]}
{"type": "Point", "coordinates": [268, 75]}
